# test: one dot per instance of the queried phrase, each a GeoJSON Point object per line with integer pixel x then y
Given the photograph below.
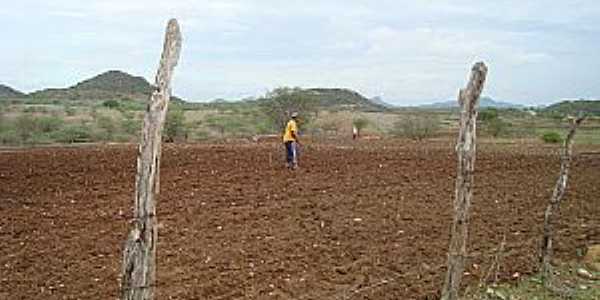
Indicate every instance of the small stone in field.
{"type": "Point", "coordinates": [583, 273]}
{"type": "Point", "coordinates": [357, 220]}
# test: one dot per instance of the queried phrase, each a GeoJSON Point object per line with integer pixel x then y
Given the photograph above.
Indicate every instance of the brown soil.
{"type": "Point", "coordinates": [357, 221]}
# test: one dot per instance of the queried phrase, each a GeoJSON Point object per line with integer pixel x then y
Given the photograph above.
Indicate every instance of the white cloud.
{"type": "Point", "coordinates": [404, 49]}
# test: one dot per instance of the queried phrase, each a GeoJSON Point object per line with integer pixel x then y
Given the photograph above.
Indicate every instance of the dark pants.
{"type": "Point", "coordinates": [291, 155]}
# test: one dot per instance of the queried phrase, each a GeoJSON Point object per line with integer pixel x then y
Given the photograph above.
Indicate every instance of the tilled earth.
{"type": "Point", "coordinates": [368, 220]}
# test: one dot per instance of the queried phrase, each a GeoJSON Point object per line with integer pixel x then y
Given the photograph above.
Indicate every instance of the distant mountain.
{"type": "Point", "coordinates": [108, 85]}
{"type": "Point", "coordinates": [574, 107]}
{"type": "Point", "coordinates": [483, 102]}
{"type": "Point", "coordinates": [8, 92]}
{"type": "Point", "coordinates": [379, 101]}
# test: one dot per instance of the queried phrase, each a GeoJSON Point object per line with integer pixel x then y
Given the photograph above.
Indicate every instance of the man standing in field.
{"type": "Point", "coordinates": [290, 139]}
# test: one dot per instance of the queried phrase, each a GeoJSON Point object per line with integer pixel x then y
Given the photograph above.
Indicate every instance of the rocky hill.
{"type": "Point", "coordinates": [113, 84]}
{"type": "Point", "coordinates": [8, 92]}
{"type": "Point", "coordinates": [590, 107]}
{"type": "Point", "coordinates": [343, 98]}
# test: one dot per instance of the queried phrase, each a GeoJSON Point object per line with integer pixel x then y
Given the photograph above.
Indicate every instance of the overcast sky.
{"type": "Point", "coordinates": [407, 52]}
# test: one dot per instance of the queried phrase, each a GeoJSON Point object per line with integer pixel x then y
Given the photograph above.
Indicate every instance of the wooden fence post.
{"type": "Point", "coordinates": [139, 255]}
{"type": "Point", "coordinates": [554, 203]}
{"type": "Point", "coordinates": [465, 149]}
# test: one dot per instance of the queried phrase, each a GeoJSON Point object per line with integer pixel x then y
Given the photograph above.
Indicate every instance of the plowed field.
{"type": "Point", "coordinates": [357, 221]}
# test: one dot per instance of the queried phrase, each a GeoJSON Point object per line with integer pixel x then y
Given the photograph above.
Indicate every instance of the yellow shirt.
{"type": "Point", "coordinates": [291, 126]}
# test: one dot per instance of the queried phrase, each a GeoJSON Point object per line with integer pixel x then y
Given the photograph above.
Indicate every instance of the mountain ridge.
{"type": "Point", "coordinates": [483, 102]}
{"type": "Point", "coordinates": [9, 92]}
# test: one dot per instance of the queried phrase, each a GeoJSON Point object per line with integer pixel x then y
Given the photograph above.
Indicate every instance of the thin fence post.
{"type": "Point", "coordinates": [139, 255]}
{"type": "Point", "coordinates": [465, 149]}
{"type": "Point", "coordinates": [554, 203]}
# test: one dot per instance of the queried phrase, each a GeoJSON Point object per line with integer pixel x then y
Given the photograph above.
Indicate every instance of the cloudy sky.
{"type": "Point", "coordinates": [407, 52]}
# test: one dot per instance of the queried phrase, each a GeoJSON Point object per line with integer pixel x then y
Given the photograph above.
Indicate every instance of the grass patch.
{"type": "Point", "coordinates": [531, 288]}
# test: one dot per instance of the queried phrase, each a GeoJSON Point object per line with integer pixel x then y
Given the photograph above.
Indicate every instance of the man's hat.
{"type": "Point", "coordinates": [294, 114]}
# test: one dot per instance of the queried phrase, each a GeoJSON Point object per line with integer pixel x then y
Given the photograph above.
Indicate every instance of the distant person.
{"type": "Point", "coordinates": [354, 132]}
{"type": "Point", "coordinates": [290, 139]}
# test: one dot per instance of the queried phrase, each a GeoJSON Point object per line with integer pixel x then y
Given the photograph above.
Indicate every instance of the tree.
{"type": "Point", "coordinates": [277, 105]}
{"type": "Point", "coordinates": [175, 128]}
{"type": "Point", "coordinates": [360, 124]}
{"type": "Point", "coordinates": [488, 114]}
{"type": "Point", "coordinates": [494, 125]}
{"type": "Point", "coordinates": [497, 126]}
{"type": "Point", "coordinates": [108, 126]}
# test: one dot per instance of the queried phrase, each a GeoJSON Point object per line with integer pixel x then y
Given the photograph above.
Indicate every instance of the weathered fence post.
{"type": "Point", "coordinates": [465, 149]}
{"type": "Point", "coordinates": [139, 255]}
{"type": "Point", "coordinates": [554, 203]}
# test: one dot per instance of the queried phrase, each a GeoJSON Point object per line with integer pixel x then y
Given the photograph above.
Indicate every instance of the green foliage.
{"type": "Point", "coordinates": [416, 127]}
{"type": "Point", "coordinates": [47, 124]}
{"type": "Point", "coordinates": [488, 114]}
{"type": "Point", "coordinates": [9, 136]}
{"type": "Point", "coordinates": [35, 109]}
{"type": "Point", "coordinates": [492, 122]}
{"type": "Point", "coordinates": [130, 124]}
{"type": "Point", "coordinates": [552, 137]}
{"type": "Point", "coordinates": [131, 105]}
{"type": "Point", "coordinates": [228, 125]}
{"type": "Point", "coordinates": [281, 102]}
{"type": "Point", "coordinates": [360, 124]}
{"type": "Point", "coordinates": [175, 128]}
{"type": "Point", "coordinates": [70, 110]}
{"type": "Point", "coordinates": [74, 133]}
{"type": "Point", "coordinates": [25, 127]}
{"type": "Point", "coordinates": [564, 108]}
{"type": "Point", "coordinates": [112, 104]}
{"type": "Point", "coordinates": [107, 126]}
{"type": "Point", "coordinates": [497, 127]}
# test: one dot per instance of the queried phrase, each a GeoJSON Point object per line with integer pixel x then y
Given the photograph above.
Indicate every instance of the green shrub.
{"type": "Point", "coordinates": [175, 128]}
{"type": "Point", "coordinates": [416, 127]}
{"type": "Point", "coordinates": [47, 124]}
{"type": "Point", "coordinates": [360, 124]}
{"type": "Point", "coordinates": [130, 124]}
{"type": "Point", "coordinates": [112, 104]}
{"type": "Point", "coordinates": [9, 137]}
{"type": "Point", "coordinates": [488, 114]}
{"type": "Point", "coordinates": [25, 127]}
{"type": "Point", "coordinates": [552, 137]}
{"type": "Point", "coordinates": [74, 133]}
{"type": "Point", "coordinates": [497, 127]}
{"type": "Point", "coordinates": [107, 128]}
{"type": "Point", "coordinates": [70, 111]}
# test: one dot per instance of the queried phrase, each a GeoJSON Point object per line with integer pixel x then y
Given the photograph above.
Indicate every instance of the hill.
{"type": "Point", "coordinates": [343, 98]}
{"type": "Point", "coordinates": [591, 107]}
{"type": "Point", "coordinates": [8, 92]}
{"type": "Point", "coordinates": [113, 84]}
{"type": "Point", "coordinates": [483, 102]}
{"type": "Point", "coordinates": [379, 101]}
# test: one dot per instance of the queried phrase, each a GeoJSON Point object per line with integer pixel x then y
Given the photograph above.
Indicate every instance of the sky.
{"type": "Point", "coordinates": [406, 52]}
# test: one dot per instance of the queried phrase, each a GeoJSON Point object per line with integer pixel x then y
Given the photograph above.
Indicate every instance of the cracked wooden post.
{"type": "Point", "coordinates": [554, 203]}
{"type": "Point", "coordinates": [139, 255]}
{"type": "Point", "coordinates": [465, 149]}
